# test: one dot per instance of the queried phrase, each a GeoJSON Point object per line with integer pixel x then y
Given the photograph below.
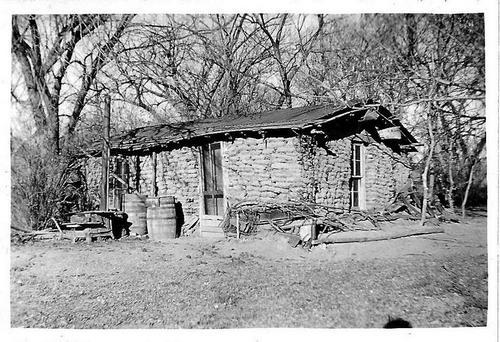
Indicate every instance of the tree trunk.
{"type": "Point", "coordinates": [425, 194]}
{"type": "Point", "coordinates": [287, 93]}
{"type": "Point", "coordinates": [53, 126]}
{"type": "Point", "coordinates": [450, 179]}
{"type": "Point", "coordinates": [431, 187]}
{"type": "Point", "coordinates": [411, 29]}
{"type": "Point", "coordinates": [469, 183]}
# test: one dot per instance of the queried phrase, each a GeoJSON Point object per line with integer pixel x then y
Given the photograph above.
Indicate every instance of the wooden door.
{"type": "Point", "coordinates": [212, 208]}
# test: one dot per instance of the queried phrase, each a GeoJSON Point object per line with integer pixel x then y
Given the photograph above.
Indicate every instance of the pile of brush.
{"type": "Point", "coordinates": [407, 204]}
{"type": "Point", "coordinates": [292, 217]}
{"type": "Point", "coordinates": [306, 219]}
{"type": "Point", "coordinates": [21, 235]}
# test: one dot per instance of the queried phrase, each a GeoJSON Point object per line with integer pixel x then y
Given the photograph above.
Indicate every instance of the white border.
{"type": "Point", "coordinates": [489, 7]}
{"type": "Point", "coordinates": [238, 6]}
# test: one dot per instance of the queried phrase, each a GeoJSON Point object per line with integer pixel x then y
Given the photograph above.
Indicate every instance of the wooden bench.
{"type": "Point", "coordinates": [85, 230]}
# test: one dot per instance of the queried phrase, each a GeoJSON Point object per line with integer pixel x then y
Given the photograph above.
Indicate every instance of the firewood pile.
{"type": "Point", "coordinates": [240, 219]}
{"type": "Point", "coordinates": [298, 218]}
{"type": "Point", "coordinates": [407, 204]}
{"type": "Point", "coordinates": [292, 217]}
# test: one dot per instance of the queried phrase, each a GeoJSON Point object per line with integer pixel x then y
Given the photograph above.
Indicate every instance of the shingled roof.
{"type": "Point", "coordinates": [164, 136]}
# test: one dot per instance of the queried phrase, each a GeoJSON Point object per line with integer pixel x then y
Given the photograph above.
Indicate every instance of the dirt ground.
{"type": "Point", "coordinates": [435, 280]}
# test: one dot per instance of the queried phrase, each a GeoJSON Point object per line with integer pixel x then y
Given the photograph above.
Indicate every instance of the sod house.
{"type": "Point", "coordinates": [345, 157]}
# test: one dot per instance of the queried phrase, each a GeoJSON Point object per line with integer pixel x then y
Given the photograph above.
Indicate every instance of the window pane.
{"type": "Point", "coordinates": [357, 168]}
{"type": "Point", "coordinates": [207, 170]}
{"type": "Point", "coordinates": [219, 202]}
{"type": "Point", "coordinates": [355, 199]}
{"type": "Point", "coordinates": [217, 159]}
{"type": "Point", "coordinates": [210, 208]}
{"type": "Point", "coordinates": [355, 185]}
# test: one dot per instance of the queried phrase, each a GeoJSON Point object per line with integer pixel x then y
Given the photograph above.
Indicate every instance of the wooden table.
{"type": "Point", "coordinates": [92, 224]}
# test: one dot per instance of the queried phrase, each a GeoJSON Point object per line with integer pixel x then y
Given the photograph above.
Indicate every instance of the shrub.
{"type": "Point", "coordinates": [43, 185]}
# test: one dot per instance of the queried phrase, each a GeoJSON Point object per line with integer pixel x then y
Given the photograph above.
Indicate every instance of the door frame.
{"type": "Point", "coordinates": [209, 223]}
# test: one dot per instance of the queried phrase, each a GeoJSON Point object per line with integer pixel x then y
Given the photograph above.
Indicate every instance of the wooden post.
{"type": "Point", "coordinates": [154, 187]}
{"type": "Point", "coordinates": [119, 187]}
{"type": "Point", "coordinates": [116, 184]}
{"type": "Point", "coordinates": [105, 155]}
{"type": "Point", "coordinates": [314, 232]}
{"type": "Point", "coordinates": [125, 175]}
{"type": "Point", "coordinates": [137, 162]}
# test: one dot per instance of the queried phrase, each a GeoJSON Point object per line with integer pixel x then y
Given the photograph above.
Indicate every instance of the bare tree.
{"type": "Point", "coordinates": [56, 61]}
{"type": "Point", "coordinates": [289, 42]}
{"type": "Point", "coordinates": [428, 69]}
{"type": "Point", "coordinates": [424, 68]}
{"type": "Point", "coordinates": [59, 58]}
{"type": "Point", "coordinates": [202, 65]}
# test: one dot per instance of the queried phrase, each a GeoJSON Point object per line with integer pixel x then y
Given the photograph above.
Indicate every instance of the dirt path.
{"type": "Point", "coordinates": [431, 280]}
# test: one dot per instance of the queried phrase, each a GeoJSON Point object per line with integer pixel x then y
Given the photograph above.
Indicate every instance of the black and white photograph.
{"type": "Point", "coordinates": [222, 169]}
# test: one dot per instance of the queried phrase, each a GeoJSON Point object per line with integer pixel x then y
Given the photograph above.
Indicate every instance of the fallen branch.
{"type": "Point", "coordinates": [275, 226]}
{"type": "Point", "coordinates": [332, 238]}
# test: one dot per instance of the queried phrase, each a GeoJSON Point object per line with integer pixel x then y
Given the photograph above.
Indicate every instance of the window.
{"type": "Point", "coordinates": [213, 188]}
{"type": "Point", "coordinates": [357, 184]}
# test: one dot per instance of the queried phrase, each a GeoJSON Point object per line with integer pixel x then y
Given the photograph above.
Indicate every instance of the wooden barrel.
{"type": "Point", "coordinates": [152, 202]}
{"type": "Point", "coordinates": [136, 211]}
{"type": "Point", "coordinates": [162, 221]}
{"type": "Point", "coordinates": [166, 201]}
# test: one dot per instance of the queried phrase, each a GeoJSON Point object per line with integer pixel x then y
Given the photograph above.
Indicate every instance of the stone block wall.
{"type": "Point", "coordinates": [401, 170]}
{"type": "Point", "coordinates": [178, 175]}
{"type": "Point", "coordinates": [329, 171]}
{"type": "Point", "coordinates": [327, 168]}
{"type": "Point", "coordinates": [271, 169]}
{"type": "Point", "coordinates": [385, 173]}
{"type": "Point", "coordinates": [263, 170]}
{"type": "Point", "coordinates": [145, 175]}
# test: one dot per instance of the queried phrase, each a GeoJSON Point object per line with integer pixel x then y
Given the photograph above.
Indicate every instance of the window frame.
{"type": "Point", "coordinates": [357, 161]}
